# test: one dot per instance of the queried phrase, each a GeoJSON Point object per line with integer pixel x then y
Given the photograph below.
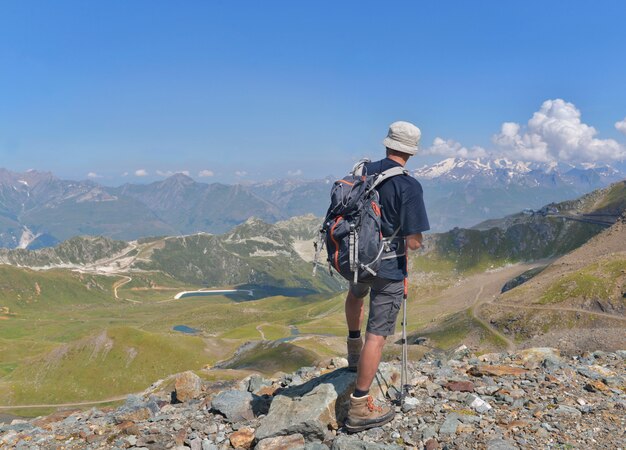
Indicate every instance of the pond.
{"type": "Point", "coordinates": [185, 329]}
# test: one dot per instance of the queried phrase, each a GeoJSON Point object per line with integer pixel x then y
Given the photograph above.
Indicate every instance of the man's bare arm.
{"type": "Point", "coordinates": [414, 241]}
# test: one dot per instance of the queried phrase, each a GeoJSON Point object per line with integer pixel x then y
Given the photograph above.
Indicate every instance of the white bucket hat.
{"type": "Point", "coordinates": [403, 137]}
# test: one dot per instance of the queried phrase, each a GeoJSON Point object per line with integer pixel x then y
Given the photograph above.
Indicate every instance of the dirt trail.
{"type": "Point", "coordinates": [557, 308]}
{"type": "Point", "coordinates": [510, 345]}
{"type": "Point", "coordinates": [65, 405]}
{"type": "Point", "coordinates": [470, 293]}
{"type": "Point", "coordinates": [119, 284]}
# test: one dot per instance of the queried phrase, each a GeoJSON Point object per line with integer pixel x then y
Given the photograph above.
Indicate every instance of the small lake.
{"type": "Point", "coordinates": [185, 329]}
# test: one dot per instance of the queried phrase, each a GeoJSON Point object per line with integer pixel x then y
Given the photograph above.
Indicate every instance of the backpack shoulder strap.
{"type": "Point", "coordinates": [398, 170]}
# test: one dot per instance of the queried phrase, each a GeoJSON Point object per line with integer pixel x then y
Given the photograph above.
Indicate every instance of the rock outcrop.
{"type": "Point", "coordinates": [535, 398]}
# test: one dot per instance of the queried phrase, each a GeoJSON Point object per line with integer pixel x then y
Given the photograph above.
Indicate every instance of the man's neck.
{"type": "Point", "coordinates": [400, 160]}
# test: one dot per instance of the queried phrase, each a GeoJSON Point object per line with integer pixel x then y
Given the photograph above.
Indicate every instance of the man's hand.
{"type": "Point", "coordinates": [414, 241]}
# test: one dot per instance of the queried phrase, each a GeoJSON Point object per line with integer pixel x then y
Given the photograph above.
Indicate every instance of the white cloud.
{"type": "Point", "coordinates": [93, 175]}
{"type": "Point", "coordinates": [125, 174]}
{"type": "Point", "coordinates": [621, 126]}
{"type": "Point", "coordinates": [141, 173]}
{"type": "Point", "coordinates": [206, 173]}
{"type": "Point", "coordinates": [294, 173]}
{"type": "Point", "coordinates": [556, 133]}
{"type": "Point", "coordinates": [169, 173]}
{"type": "Point", "coordinates": [241, 173]}
{"type": "Point", "coordinates": [451, 148]}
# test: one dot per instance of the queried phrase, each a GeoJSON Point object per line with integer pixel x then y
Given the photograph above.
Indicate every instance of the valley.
{"type": "Point", "coordinates": [93, 319]}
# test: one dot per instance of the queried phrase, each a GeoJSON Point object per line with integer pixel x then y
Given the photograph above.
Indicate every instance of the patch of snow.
{"type": "Point", "coordinates": [27, 237]}
{"type": "Point", "coordinates": [270, 254]}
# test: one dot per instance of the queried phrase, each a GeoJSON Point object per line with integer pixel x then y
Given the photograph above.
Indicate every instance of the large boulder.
{"type": "Point", "coordinates": [136, 409]}
{"type": "Point", "coordinates": [188, 386]}
{"type": "Point", "coordinates": [236, 406]}
{"type": "Point", "coordinates": [533, 358]}
{"type": "Point", "coordinates": [310, 409]}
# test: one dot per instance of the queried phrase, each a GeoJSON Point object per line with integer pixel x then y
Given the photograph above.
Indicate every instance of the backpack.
{"type": "Point", "coordinates": [351, 230]}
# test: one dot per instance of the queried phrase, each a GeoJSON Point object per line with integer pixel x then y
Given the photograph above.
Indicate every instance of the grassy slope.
{"type": "Point", "coordinates": [461, 252]}
{"type": "Point", "coordinates": [520, 237]}
{"type": "Point", "coordinates": [54, 333]}
{"type": "Point", "coordinates": [97, 366]}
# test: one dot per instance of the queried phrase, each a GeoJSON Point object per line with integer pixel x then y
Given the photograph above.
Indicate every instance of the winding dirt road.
{"type": "Point", "coordinates": [510, 345]}
{"type": "Point", "coordinates": [556, 308]}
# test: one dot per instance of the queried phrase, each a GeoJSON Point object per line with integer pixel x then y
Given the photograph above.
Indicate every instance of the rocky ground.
{"type": "Point", "coordinates": [534, 398]}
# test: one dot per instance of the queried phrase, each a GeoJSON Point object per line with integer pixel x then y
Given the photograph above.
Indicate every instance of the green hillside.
{"type": "Point", "coordinates": [112, 362]}
{"type": "Point", "coordinates": [254, 253]}
{"type": "Point", "coordinates": [77, 250]}
{"type": "Point", "coordinates": [62, 332]}
{"type": "Point", "coordinates": [553, 231]}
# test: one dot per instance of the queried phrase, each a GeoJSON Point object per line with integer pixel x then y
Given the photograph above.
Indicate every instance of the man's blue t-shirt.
{"type": "Point", "coordinates": [402, 205]}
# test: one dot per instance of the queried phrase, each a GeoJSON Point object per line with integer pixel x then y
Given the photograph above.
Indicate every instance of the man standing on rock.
{"type": "Point", "coordinates": [402, 209]}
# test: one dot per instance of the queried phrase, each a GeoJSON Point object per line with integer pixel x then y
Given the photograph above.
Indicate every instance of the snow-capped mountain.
{"type": "Point", "coordinates": [462, 192]}
{"type": "Point", "coordinates": [504, 171]}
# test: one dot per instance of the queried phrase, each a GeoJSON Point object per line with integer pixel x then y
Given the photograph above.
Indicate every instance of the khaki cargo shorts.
{"type": "Point", "coordinates": [385, 302]}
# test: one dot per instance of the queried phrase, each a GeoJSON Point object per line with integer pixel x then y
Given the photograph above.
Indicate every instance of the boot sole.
{"type": "Point", "coordinates": [357, 428]}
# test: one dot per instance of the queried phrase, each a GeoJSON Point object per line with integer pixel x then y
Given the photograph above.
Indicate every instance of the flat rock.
{"type": "Point", "coordinates": [459, 386]}
{"type": "Point", "coordinates": [501, 444]}
{"type": "Point", "coordinates": [352, 443]}
{"type": "Point", "coordinates": [496, 371]}
{"type": "Point", "coordinates": [565, 410]}
{"type": "Point", "coordinates": [450, 425]}
{"type": "Point", "coordinates": [292, 442]}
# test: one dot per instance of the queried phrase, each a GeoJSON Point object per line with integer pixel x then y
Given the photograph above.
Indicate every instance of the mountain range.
{"type": "Point", "coordinates": [38, 209]}
{"type": "Point", "coordinates": [463, 192]}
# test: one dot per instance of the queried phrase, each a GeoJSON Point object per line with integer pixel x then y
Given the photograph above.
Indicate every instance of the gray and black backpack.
{"type": "Point", "coordinates": [351, 230]}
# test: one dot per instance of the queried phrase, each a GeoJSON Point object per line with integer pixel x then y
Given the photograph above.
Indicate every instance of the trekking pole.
{"type": "Point", "coordinates": [404, 386]}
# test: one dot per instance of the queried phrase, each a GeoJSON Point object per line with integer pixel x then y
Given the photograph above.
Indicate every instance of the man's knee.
{"type": "Point", "coordinates": [375, 340]}
{"type": "Point", "coordinates": [359, 290]}
{"type": "Point", "coordinates": [352, 299]}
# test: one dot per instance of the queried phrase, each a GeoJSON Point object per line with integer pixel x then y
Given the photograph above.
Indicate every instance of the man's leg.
{"type": "Point", "coordinates": [385, 302]}
{"type": "Point", "coordinates": [370, 358]}
{"type": "Point", "coordinates": [354, 319]}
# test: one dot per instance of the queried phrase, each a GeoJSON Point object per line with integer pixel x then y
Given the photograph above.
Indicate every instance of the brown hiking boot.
{"type": "Point", "coordinates": [364, 414]}
{"type": "Point", "coordinates": [354, 352]}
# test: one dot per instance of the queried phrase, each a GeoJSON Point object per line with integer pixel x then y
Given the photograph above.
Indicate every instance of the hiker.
{"type": "Point", "coordinates": [402, 213]}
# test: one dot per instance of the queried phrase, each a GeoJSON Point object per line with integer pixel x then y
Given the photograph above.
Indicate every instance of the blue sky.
{"type": "Point", "coordinates": [255, 90]}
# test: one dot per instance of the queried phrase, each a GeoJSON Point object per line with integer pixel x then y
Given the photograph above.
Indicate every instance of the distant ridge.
{"type": "Point", "coordinates": [38, 209]}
